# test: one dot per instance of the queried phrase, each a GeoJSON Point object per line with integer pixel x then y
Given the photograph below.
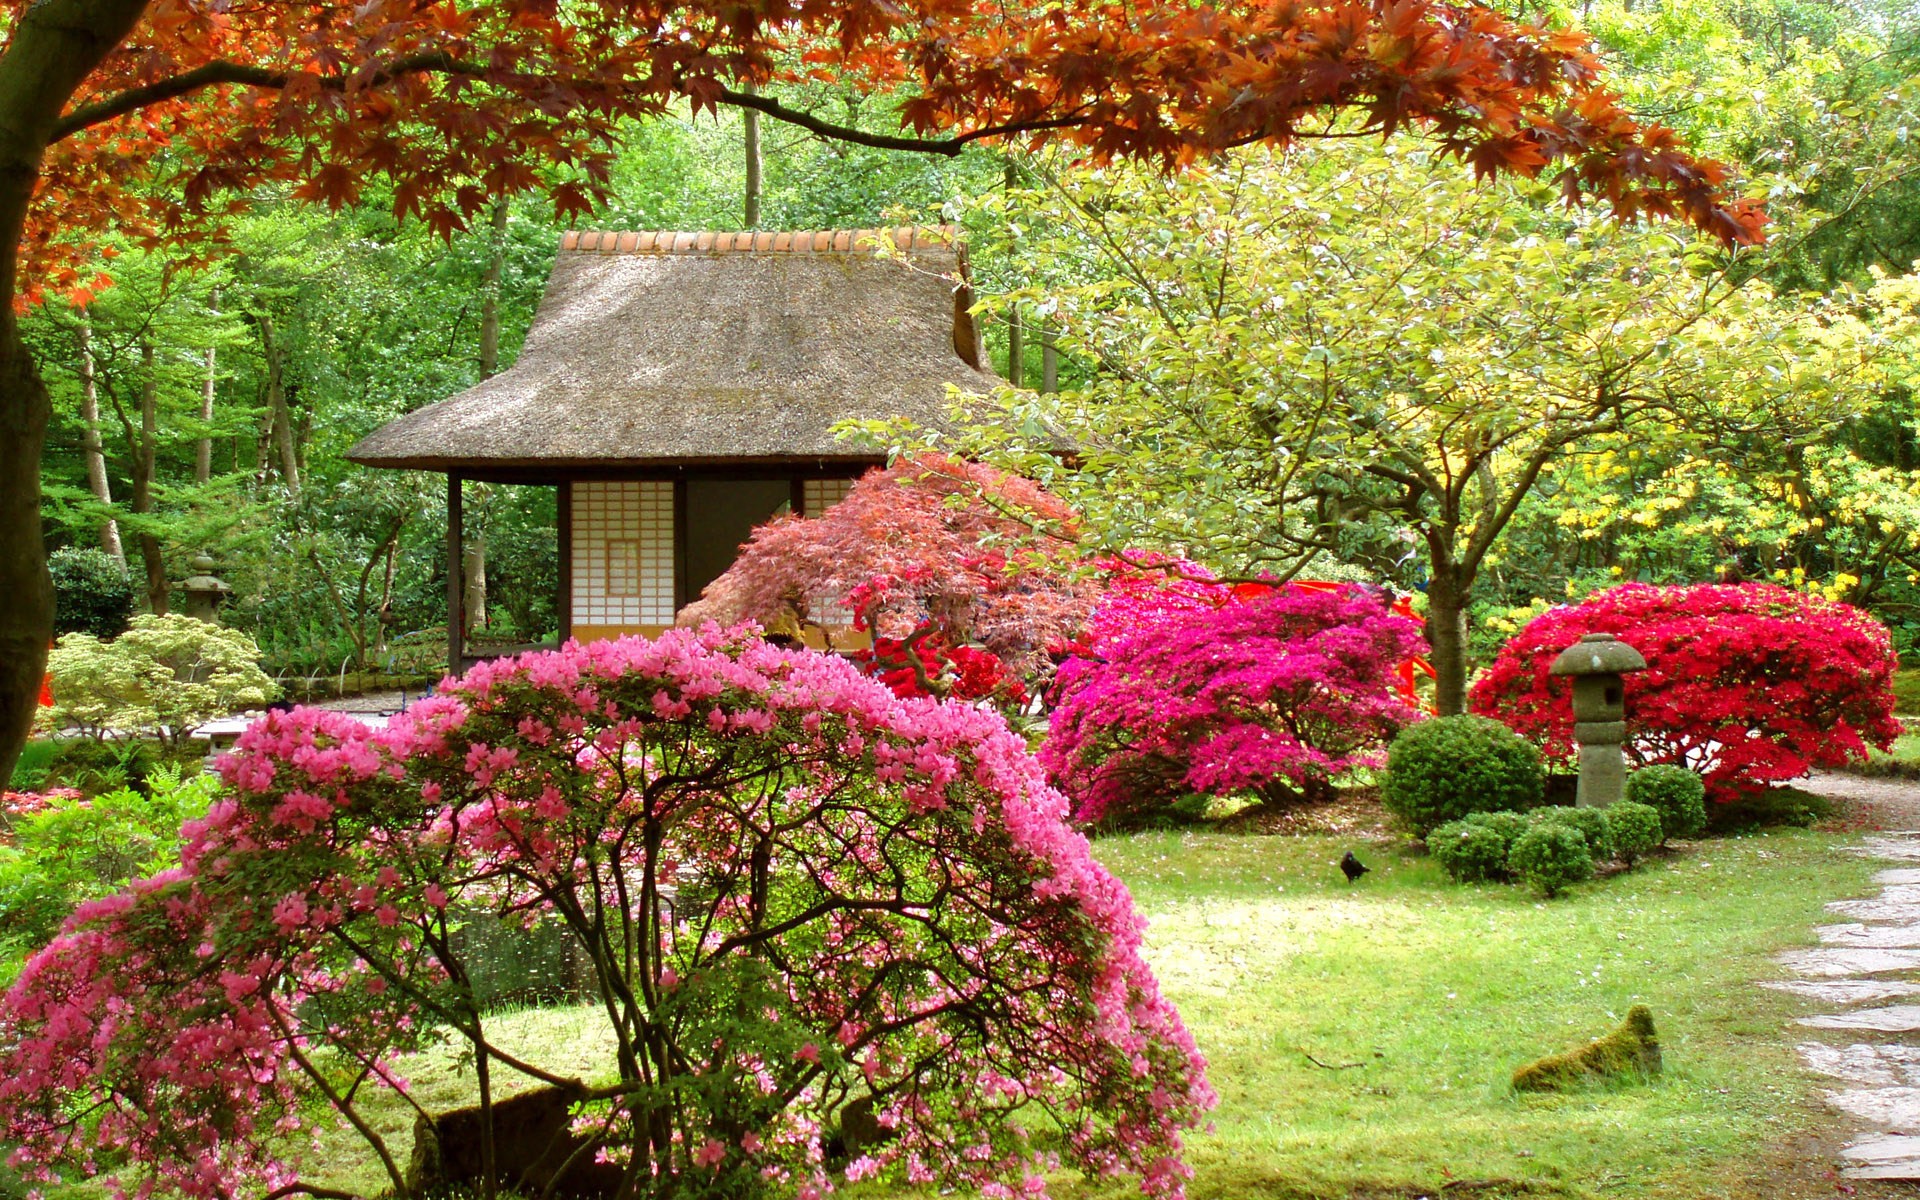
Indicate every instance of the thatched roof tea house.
{"type": "Point", "coordinates": [680, 388]}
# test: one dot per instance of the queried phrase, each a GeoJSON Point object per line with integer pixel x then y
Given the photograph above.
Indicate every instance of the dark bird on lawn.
{"type": "Point", "coordinates": [1352, 868]}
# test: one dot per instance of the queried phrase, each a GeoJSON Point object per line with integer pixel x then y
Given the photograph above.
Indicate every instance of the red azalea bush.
{"type": "Point", "coordinates": [977, 554]}
{"type": "Point", "coordinates": [1276, 691]}
{"type": "Point", "coordinates": [924, 663]}
{"type": "Point", "coordinates": [798, 892]}
{"type": "Point", "coordinates": [1747, 684]}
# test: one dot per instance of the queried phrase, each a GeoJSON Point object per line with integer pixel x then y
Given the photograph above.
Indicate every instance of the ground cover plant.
{"type": "Point", "coordinates": [1275, 694]}
{"type": "Point", "coordinates": [1426, 997]}
{"type": "Point", "coordinates": [1748, 685]}
{"type": "Point", "coordinates": [799, 894]}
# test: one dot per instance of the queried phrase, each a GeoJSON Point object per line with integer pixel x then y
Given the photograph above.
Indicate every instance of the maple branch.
{"type": "Point", "coordinates": [216, 73]}
{"type": "Point", "coordinates": [949, 146]}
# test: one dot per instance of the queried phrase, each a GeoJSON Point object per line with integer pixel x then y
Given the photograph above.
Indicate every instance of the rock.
{"type": "Point", "coordinates": [1896, 848]}
{"type": "Point", "coordinates": [1883, 1156]}
{"type": "Point", "coordinates": [1895, 1107]}
{"type": "Point", "coordinates": [1898, 875]}
{"type": "Point", "coordinates": [1897, 1018]}
{"type": "Point", "coordinates": [533, 1142]}
{"type": "Point", "coordinates": [1878, 937]}
{"type": "Point", "coordinates": [1863, 1063]}
{"type": "Point", "coordinates": [1876, 910]}
{"type": "Point", "coordinates": [1837, 961]}
{"type": "Point", "coordinates": [1844, 991]}
{"type": "Point", "coordinates": [1632, 1049]}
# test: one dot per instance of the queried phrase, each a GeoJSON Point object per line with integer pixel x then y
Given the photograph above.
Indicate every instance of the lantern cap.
{"type": "Point", "coordinates": [1598, 654]}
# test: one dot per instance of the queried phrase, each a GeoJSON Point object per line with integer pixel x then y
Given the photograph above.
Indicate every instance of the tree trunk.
{"type": "Point", "coordinates": [203, 450]}
{"type": "Point", "coordinates": [473, 571]}
{"type": "Point", "coordinates": [281, 430]}
{"type": "Point", "coordinates": [490, 293]}
{"type": "Point", "coordinates": [750, 123]}
{"type": "Point", "coordinates": [1049, 361]}
{"type": "Point", "coordinates": [95, 449]}
{"type": "Point", "coordinates": [144, 458]}
{"type": "Point", "coordinates": [1447, 596]}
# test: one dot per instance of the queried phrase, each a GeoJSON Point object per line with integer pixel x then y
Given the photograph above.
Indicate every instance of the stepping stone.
{"type": "Point", "coordinates": [1844, 991]}
{"type": "Point", "coordinates": [1837, 961]}
{"type": "Point", "coordinates": [1897, 849]}
{"type": "Point", "coordinates": [1898, 1108]}
{"type": "Point", "coordinates": [1876, 910]}
{"type": "Point", "coordinates": [1898, 875]}
{"type": "Point", "coordinates": [1897, 1018]}
{"type": "Point", "coordinates": [1877, 937]}
{"type": "Point", "coordinates": [1883, 1156]}
{"type": "Point", "coordinates": [1900, 893]}
{"type": "Point", "coordinates": [1863, 1063]}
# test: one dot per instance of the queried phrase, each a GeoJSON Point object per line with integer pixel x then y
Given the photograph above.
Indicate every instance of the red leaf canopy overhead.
{"type": "Point", "coordinates": [455, 103]}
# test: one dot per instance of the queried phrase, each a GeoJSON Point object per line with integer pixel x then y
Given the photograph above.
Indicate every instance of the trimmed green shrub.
{"type": "Point", "coordinates": [1591, 822]}
{"type": "Point", "coordinates": [1551, 856]}
{"type": "Point", "coordinates": [1635, 827]}
{"type": "Point", "coordinates": [1509, 825]}
{"type": "Point", "coordinates": [1468, 852]}
{"type": "Point", "coordinates": [1677, 794]}
{"type": "Point", "coordinates": [1443, 769]}
{"type": "Point", "coordinates": [92, 592]}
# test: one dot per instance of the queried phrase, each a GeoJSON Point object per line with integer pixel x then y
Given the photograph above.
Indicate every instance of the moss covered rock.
{"type": "Point", "coordinates": [1630, 1052]}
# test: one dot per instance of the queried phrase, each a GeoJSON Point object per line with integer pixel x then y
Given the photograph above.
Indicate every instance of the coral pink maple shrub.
{"type": "Point", "coordinates": [798, 890]}
{"type": "Point", "coordinates": [1193, 686]}
{"type": "Point", "coordinates": [1748, 684]}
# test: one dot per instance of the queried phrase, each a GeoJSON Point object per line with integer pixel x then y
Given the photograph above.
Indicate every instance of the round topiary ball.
{"type": "Point", "coordinates": [1551, 856]}
{"type": "Point", "coordinates": [1509, 825]}
{"type": "Point", "coordinates": [1443, 769]}
{"type": "Point", "coordinates": [1469, 853]}
{"type": "Point", "coordinates": [1591, 822]}
{"type": "Point", "coordinates": [1677, 794]}
{"type": "Point", "coordinates": [92, 593]}
{"type": "Point", "coordinates": [1636, 829]}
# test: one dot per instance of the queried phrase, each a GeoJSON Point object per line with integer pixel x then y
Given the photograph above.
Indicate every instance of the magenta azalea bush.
{"type": "Point", "coordinates": [1218, 691]}
{"type": "Point", "coordinates": [798, 891]}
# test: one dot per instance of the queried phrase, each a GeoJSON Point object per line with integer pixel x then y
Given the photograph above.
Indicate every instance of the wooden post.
{"type": "Point", "coordinates": [456, 588]}
{"type": "Point", "coordinates": [563, 603]}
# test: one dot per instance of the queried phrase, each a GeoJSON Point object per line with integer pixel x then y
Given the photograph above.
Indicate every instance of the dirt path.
{"type": "Point", "coordinates": [1884, 803]}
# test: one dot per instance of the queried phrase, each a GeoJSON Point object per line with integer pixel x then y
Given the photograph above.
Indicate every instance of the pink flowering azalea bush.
{"type": "Point", "coordinates": [798, 891]}
{"type": "Point", "coordinates": [1195, 687]}
{"type": "Point", "coordinates": [1747, 684]}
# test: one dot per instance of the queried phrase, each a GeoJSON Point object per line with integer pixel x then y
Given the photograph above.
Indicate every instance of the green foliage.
{"type": "Point", "coordinates": [37, 758]}
{"type": "Point", "coordinates": [1551, 856]}
{"type": "Point", "coordinates": [1677, 794]}
{"type": "Point", "coordinates": [77, 849]}
{"type": "Point", "coordinates": [1592, 824]}
{"type": "Point", "coordinates": [92, 593]}
{"type": "Point", "coordinates": [1769, 807]}
{"type": "Point", "coordinates": [1636, 829]}
{"type": "Point", "coordinates": [1630, 1052]}
{"type": "Point", "coordinates": [165, 675]}
{"type": "Point", "coordinates": [1469, 852]}
{"type": "Point", "coordinates": [1509, 825]}
{"type": "Point", "coordinates": [1443, 769]}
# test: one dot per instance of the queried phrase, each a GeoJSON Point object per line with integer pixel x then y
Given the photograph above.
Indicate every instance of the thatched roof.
{"type": "Point", "coordinates": [712, 348]}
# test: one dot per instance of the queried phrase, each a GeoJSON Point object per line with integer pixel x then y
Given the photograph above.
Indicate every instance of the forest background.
{"type": "Point", "coordinates": [206, 407]}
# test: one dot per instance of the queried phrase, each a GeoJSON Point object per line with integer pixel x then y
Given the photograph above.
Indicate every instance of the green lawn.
{"type": "Point", "coordinates": [1437, 992]}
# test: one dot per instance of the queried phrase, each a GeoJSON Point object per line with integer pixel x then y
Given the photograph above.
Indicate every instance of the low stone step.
{"type": "Point", "coordinates": [1876, 910]}
{"type": "Point", "coordinates": [1898, 1108]}
{"type": "Point", "coordinates": [1898, 875]}
{"type": "Point", "coordinates": [1896, 1018]}
{"type": "Point", "coordinates": [1844, 991]}
{"type": "Point", "coordinates": [1883, 1156]}
{"type": "Point", "coordinates": [1838, 961]}
{"type": "Point", "coordinates": [1864, 1063]}
{"type": "Point", "coordinates": [1877, 937]}
{"type": "Point", "coordinates": [1893, 847]}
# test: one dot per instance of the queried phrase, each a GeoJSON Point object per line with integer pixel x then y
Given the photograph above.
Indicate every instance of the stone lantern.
{"type": "Point", "coordinates": [1596, 662]}
{"type": "Point", "coordinates": [205, 593]}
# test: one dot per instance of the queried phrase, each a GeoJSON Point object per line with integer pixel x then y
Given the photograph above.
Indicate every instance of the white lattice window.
{"type": "Point", "coordinates": [816, 497]}
{"type": "Point", "coordinates": [623, 553]}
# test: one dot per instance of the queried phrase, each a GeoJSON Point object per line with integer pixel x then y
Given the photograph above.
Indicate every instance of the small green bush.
{"type": "Point", "coordinates": [1469, 852]}
{"type": "Point", "coordinates": [1551, 856]}
{"type": "Point", "coordinates": [1509, 825]}
{"type": "Point", "coordinates": [164, 675]}
{"type": "Point", "coordinates": [1443, 769]}
{"type": "Point", "coordinates": [1591, 822]}
{"type": "Point", "coordinates": [1766, 808]}
{"type": "Point", "coordinates": [92, 592]}
{"type": "Point", "coordinates": [1635, 827]}
{"type": "Point", "coordinates": [1676, 793]}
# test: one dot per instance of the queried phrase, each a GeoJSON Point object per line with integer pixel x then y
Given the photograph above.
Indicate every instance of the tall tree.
{"type": "Point", "coordinates": [142, 115]}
